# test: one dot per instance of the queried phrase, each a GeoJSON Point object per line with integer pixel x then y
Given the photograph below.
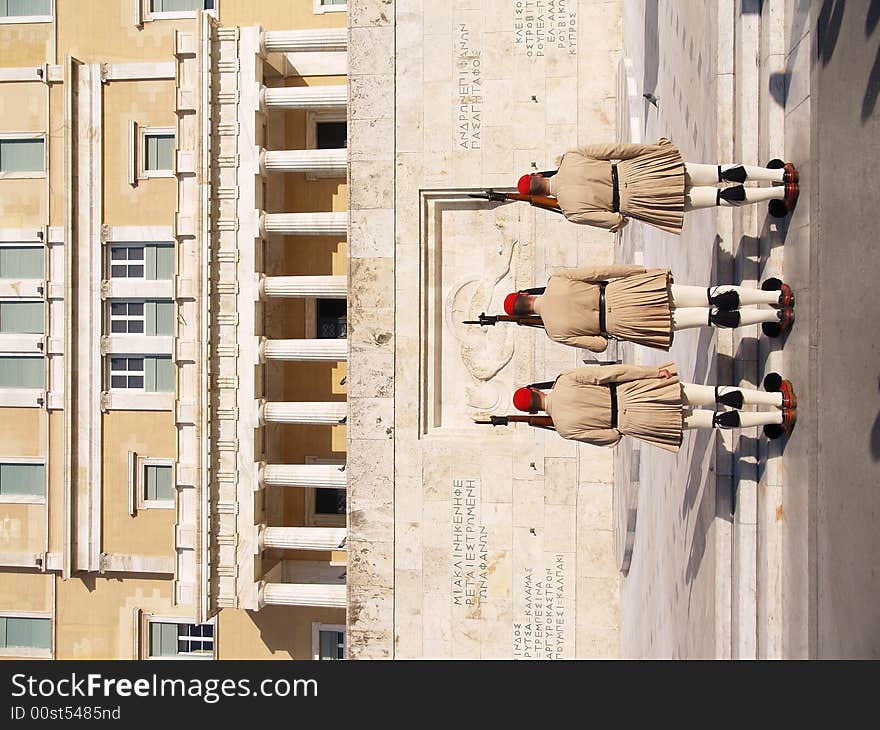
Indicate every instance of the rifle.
{"type": "Point", "coordinates": [536, 421]}
{"type": "Point", "coordinates": [539, 201]}
{"type": "Point", "coordinates": [489, 320]}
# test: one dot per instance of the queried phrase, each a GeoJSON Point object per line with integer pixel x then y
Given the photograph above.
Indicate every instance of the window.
{"type": "Point", "coordinates": [332, 322]}
{"type": "Point", "coordinates": [151, 374]}
{"type": "Point", "coordinates": [326, 130]}
{"type": "Point", "coordinates": [157, 483]}
{"type": "Point", "coordinates": [180, 6]}
{"type": "Point", "coordinates": [149, 318]}
{"type": "Point", "coordinates": [152, 152]}
{"type": "Point", "coordinates": [29, 9]}
{"type": "Point", "coordinates": [158, 152]}
{"type": "Point", "coordinates": [22, 372]}
{"type": "Point", "coordinates": [19, 632]}
{"type": "Point", "coordinates": [22, 262]}
{"type": "Point", "coordinates": [22, 318]}
{"type": "Point", "coordinates": [331, 135]}
{"type": "Point", "coordinates": [21, 479]}
{"type": "Point", "coordinates": [22, 156]}
{"type": "Point", "coordinates": [151, 261]}
{"type": "Point", "coordinates": [328, 641]}
{"type": "Point", "coordinates": [330, 6]}
{"type": "Point", "coordinates": [181, 641]}
{"type": "Point", "coordinates": [330, 502]}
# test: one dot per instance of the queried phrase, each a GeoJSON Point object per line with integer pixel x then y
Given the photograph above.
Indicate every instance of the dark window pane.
{"type": "Point", "coordinates": [135, 381]}
{"type": "Point", "coordinates": [330, 501]}
{"type": "Point", "coordinates": [136, 254]}
{"type": "Point", "coordinates": [332, 135]}
{"type": "Point", "coordinates": [136, 309]}
{"type": "Point", "coordinates": [117, 363]}
{"type": "Point", "coordinates": [118, 254]}
{"type": "Point", "coordinates": [117, 326]}
{"type": "Point", "coordinates": [136, 364]}
{"type": "Point", "coordinates": [136, 326]}
{"type": "Point", "coordinates": [118, 308]}
{"type": "Point", "coordinates": [118, 272]}
{"type": "Point", "coordinates": [136, 272]}
{"type": "Point", "coordinates": [118, 381]}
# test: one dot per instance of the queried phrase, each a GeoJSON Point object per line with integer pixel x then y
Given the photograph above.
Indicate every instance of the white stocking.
{"type": "Point", "coordinates": [699, 174]}
{"type": "Point", "coordinates": [706, 197]}
{"type": "Point", "coordinates": [697, 296]}
{"type": "Point", "coordinates": [704, 395]}
{"type": "Point", "coordinates": [702, 418]}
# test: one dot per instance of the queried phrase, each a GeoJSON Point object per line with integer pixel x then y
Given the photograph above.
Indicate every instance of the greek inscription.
{"type": "Point", "coordinates": [470, 546]}
{"type": "Point", "coordinates": [541, 627]}
{"type": "Point", "coordinates": [469, 89]}
{"type": "Point", "coordinates": [541, 26]}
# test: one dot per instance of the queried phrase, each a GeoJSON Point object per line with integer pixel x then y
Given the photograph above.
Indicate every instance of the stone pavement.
{"type": "Point", "coordinates": [724, 552]}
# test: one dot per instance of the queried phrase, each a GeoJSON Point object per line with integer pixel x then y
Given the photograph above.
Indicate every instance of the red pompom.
{"type": "Point", "coordinates": [522, 399]}
{"type": "Point", "coordinates": [509, 303]}
{"type": "Point", "coordinates": [524, 184]}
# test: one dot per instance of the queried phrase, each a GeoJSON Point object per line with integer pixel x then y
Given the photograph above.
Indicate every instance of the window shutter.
{"type": "Point", "coordinates": [29, 479]}
{"type": "Point", "coordinates": [164, 318]}
{"type": "Point", "coordinates": [150, 318]}
{"type": "Point", "coordinates": [150, 262]}
{"type": "Point", "coordinates": [27, 7]}
{"type": "Point", "coordinates": [163, 375]}
{"type": "Point", "coordinates": [21, 155]}
{"type": "Point", "coordinates": [21, 372]}
{"type": "Point", "coordinates": [21, 262]}
{"type": "Point", "coordinates": [163, 639]}
{"type": "Point", "coordinates": [41, 633]}
{"type": "Point", "coordinates": [2, 618]}
{"type": "Point", "coordinates": [164, 262]}
{"type": "Point", "coordinates": [150, 374]}
{"type": "Point", "coordinates": [22, 318]}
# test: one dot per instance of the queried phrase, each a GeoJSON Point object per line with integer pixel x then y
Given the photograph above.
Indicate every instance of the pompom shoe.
{"type": "Point", "coordinates": [786, 295]}
{"type": "Point", "coordinates": [775, 329]}
{"type": "Point", "coordinates": [777, 430]}
{"type": "Point", "coordinates": [775, 383]}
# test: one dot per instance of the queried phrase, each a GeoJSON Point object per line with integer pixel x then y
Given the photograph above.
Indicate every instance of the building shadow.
{"type": "Point", "coordinates": [651, 48]}
{"type": "Point", "coordinates": [828, 23]}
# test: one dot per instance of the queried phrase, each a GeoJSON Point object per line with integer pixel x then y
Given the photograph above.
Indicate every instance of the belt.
{"type": "Point", "coordinates": [612, 388]}
{"type": "Point", "coordinates": [602, 331]}
{"type": "Point", "coordinates": [615, 190]}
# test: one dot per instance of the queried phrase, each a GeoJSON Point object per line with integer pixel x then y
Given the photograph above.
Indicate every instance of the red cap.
{"type": "Point", "coordinates": [522, 399]}
{"type": "Point", "coordinates": [524, 185]}
{"type": "Point", "coordinates": [510, 302]}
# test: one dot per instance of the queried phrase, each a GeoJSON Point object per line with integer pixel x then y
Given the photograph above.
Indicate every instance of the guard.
{"type": "Point", "coordinates": [588, 306]}
{"type": "Point", "coordinates": [599, 404]}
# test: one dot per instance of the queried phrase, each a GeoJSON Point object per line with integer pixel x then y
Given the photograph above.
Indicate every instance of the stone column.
{"type": "Point", "coordinates": [333, 350]}
{"type": "Point", "coordinates": [324, 595]}
{"type": "Point", "coordinates": [303, 538]}
{"type": "Point", "coordinates": [304, 97]}
{"type": "Point", "coordinates": [304, 224]}
{"type": "Point", "coordinates": [314, 413]}
{"type": "Point", "coordinates": [325, 162]}
{"type": "Point", "coordinates": [324, 287]}
{"type": "Point", "coordinates": [319, 476]}
{"type": "Point", "coordinates": [297, 41]}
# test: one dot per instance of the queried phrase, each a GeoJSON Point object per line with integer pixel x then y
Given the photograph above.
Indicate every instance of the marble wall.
{"type": "Point", "coordinates": [466, 540]}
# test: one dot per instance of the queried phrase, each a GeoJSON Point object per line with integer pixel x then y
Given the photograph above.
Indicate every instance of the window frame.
{"type": "Point", "coordinates": [150, 620]}
{"type": "Point", "coordinates": [319, 519]}
{"type": "Point", "coordinates": [150, 15]}
{"type": "Point", "coordinates": [10, 19]}
{"type": "Point", "coordinates": [127, 317]}
{"type": "Point", "coordinates": [29, 652]}
{"type": "Point", "coordinates": [140, 152]}
{"type": "Point", "coordinates": [26, 498]}
{"type": "Point", "coordinates": [26, 174]}
{"type": "Point", "coordinates": [141, 484]}
{"type": "Point", "coordinates": [320, 9]}
{"type": "Point", "coordinates": [317, 628]}
{"type": "Point", "coordinates": [313, 119]}
{"type": "Point", "coordinates": [127, 389]}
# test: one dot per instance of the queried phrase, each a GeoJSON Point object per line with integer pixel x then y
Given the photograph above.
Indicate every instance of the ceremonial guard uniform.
{"type": "Point", "coordinates": [587, 306]}
{"type": "Point", "coordinates": [600, 404]}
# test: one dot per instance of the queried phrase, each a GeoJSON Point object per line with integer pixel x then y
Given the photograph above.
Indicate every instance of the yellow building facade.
{"type": "Point", "coordinates": [173, 282]}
